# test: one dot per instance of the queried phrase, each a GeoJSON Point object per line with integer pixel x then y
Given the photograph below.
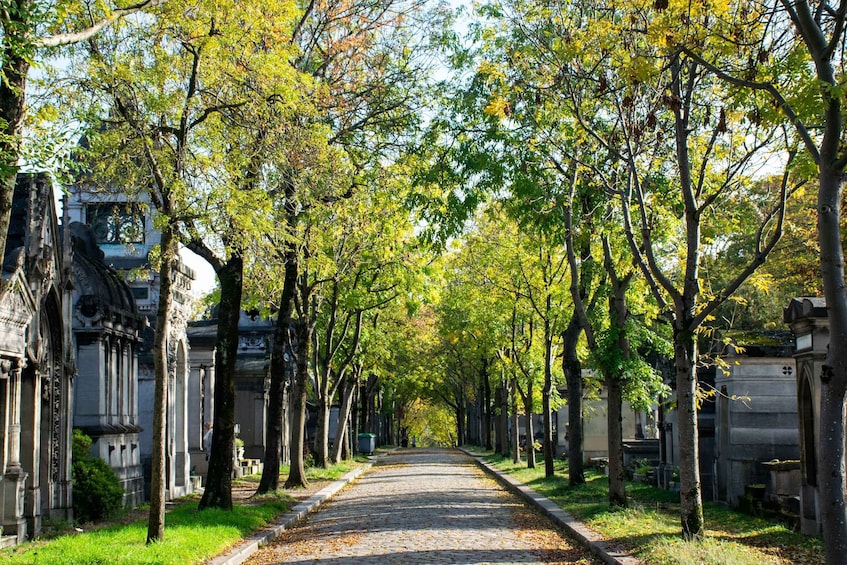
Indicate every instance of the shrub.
{"type": "Point", "coordinates": [97, 491]}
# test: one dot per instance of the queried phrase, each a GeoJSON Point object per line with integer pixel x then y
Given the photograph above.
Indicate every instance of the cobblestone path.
{"type": "Point", "coordinates": [423, 506]}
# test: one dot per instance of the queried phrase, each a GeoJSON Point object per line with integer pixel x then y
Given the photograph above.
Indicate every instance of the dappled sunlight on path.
{"type": "Point", "coordinates": [424, 506]}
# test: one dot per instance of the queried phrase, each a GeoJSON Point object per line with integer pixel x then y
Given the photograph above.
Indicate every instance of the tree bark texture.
{"type": "Point", "coordinates": [832, 159]}
{"type": "Point", "coordinates": [617, 484]}
{"type": "Point", "coordinates": [831, 468]}
{"type": "Point", "coordinates": [461, 428]}
{"type": "Point", "coordinates": [529, 429]}
{"type": "Point", "coordinates": [516, 450]}
{"type": "Point", "coordinates": [218, 492]}
{"type": "Point", "coordinates": [156, 516]}
{"type": "Point", "coordinates": [320, 447]}
{"type": "Point", "coordinates": [572, 369]}
{"type": "Point", "coordinates": [499, 439]}
{"type": "Point", "coordinates": [299, 391]}
{"type": "Point", "coordinates": [368, 412]}
{"type": "Point", "coordinates": [347, 401]}
{"type": "Point", "coordinates": [282, 345]}
{"type": "Point", "coordinates": [690, 494]}
{"type": "Point", "coordinates": [503, 417]}
{"type": "Point", "coordinates": [486, 406]}
{"type": "Point", "coordinates": [618, 314]}
{"type": "Point", "coordinates": [546, 398]}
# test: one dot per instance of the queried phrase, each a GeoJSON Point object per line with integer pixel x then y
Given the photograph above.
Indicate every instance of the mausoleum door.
{"type": "Point", "coordinates": [807, 425]}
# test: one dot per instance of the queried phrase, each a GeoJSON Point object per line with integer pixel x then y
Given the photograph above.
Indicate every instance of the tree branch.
{"type": "Point", "coordinates": [85, 34]}
{"type": "Point", "coordinates": [768, 87]}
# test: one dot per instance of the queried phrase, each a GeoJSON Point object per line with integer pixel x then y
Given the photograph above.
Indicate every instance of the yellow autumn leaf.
{"type": "Point", "coordinates": [497, 106]}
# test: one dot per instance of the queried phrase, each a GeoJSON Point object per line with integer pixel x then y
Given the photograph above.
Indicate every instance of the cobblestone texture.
{"type": "Point", "coordinates": [423, 506]}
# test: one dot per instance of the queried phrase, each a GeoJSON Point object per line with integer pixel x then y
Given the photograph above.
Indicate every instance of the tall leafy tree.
{"type": "Point", "coordinates": [178, 113]}
{"type": "Point", "coordinates": [31, 32]}
{"type": "Point", "coordinates": [710, 164]}
{"type": "Point", "coordinates": [254, 109]}
{"type": "Point", "coordinates": [621, 84]}
{"type": "Point", "coordinates": [368, 249]}
{"type": "Point", "coordinates": [792, 57]}
{"type": "Point", "coordinates": [641, 89]}
{"type": "Point", "coordinates": [366, 69]}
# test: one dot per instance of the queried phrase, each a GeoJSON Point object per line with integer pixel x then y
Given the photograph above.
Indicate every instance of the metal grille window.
{"type": "Point", "coordinates": [116, 223]}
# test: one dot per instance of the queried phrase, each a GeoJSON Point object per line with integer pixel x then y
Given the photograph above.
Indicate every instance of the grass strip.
{"type": "Point", "coordinates": [650, 526]}
{"type": "Point", "coordinates": [191, 536]}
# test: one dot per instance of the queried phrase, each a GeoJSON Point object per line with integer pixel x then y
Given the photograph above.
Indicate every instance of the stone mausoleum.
{"type": "Point", "coordinates": [807, 317]}
{"type": "Point", "coordinates": [107, 328]}
{"type": "Point", "coordinates": [36, 366]}
{"type": "Point", "coordinates": [756, 413]}
{"type": "Point", "coordinates": [122, 228]}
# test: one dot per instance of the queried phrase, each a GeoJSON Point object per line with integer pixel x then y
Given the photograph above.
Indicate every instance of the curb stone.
{"type": "Point", "coordinates": [252, 543]}
{"type": "Point", "coordinates": [586, 536]}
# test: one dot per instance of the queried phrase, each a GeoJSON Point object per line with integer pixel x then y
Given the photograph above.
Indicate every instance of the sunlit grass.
{"type": "Point", "coordinates": [650, 525]}
{"type": "Point", "coordinates": [191, 535]}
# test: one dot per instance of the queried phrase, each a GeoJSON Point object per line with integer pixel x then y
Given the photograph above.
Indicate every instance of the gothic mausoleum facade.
{"type": "Point", "coordinates": [36, 366]}
{"type": "Point", "coordinates": [807, 317]}
{"type": "Point", "coordinates": [122, 229]}
{"type": "Point", "coordinates": [107, 327]}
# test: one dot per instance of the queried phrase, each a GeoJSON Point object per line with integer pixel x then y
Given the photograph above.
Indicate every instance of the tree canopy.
{"type": "Point", "coordinates": [446, 217]}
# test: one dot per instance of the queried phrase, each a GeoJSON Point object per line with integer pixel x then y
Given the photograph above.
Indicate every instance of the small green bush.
{"type": "Point", "coordinates": [97, 491]}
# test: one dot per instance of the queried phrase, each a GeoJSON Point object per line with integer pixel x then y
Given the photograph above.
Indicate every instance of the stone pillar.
{"type": "Point", "coordinates": [14, 478]}
{"type": "Point", "coordinates": [807, 318]}
{"type": "Point", "coordinates": [200, 404]}
{"type": "Point", "coordinates": [35, 426]}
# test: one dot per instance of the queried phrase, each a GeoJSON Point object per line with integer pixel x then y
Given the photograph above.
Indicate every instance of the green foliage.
{"type": "Point", "coordinates": [97, 492]}
{"type": "Point", "coordinates": [431, 424]}
{"type": "Point", "coordinates": [642, 383]}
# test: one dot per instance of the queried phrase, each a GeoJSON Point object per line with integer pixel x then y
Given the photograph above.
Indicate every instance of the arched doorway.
{"type": "Point", "coordinates": [808, 454]}
{"type": "Point", "coordinates": [808, 451]}
{"type": "Point", "coordinates": [45, 429]}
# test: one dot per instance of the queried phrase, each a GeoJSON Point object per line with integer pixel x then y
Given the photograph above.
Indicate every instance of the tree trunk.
{"type": "Point", "coordinates": [503, 416]}
{"type": "Point", "coordinates": [516, 451]}
{"type": "Point", "coordinates": [690, 496]}
{"type": "Point", "coordinates": [281, 351]}
{"type": "Point", "coordinates": [297, 469]}
{"type": "Point", "coordinates": [320, 449]}
{"type": "Point", "coordinates": [355, 428]}
{"type": "Point", "coordinates": [617, 485]}
{"type": "Point", "coordinates": [831, 467]}
{"type": "Point", "coordinates": [618, 314]}
{"type": "Point", "coordinates": [573, 376]}
{"type": "Point", "coordinates": [461, 413]}
{"type": "Point", "coordinates": [832, 476]}
{"type": "Point", "coordinates": [156, 516]}
{"type": "Point", "coordinates": [368, 416]}
{"type": "Point", "coordinates": [12, 109]}
{"type": "Point", "coordinates": [218, 493]}
{"type": "Point", "coordinates": [486, 406]}
{"type": "Point", "coordinates": [499, 439]}
{"type": "Point", "coordinates": [348, 392]}
{"type": "Point", "coordinates": [546, 398]}
{"type": "Point", "coordinates": [530, 427]}
{"type": "Point", "coordinates": [831, 463]}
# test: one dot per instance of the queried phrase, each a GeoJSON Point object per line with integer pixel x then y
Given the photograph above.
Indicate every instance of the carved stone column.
{"type": "Point", "coordinates": [14, 479]}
